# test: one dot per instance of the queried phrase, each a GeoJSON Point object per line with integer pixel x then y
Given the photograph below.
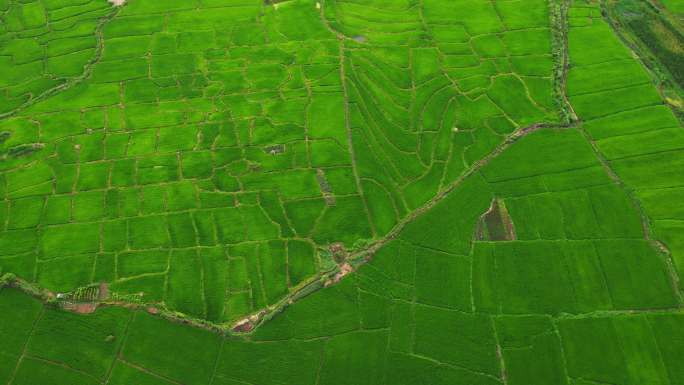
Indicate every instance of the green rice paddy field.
{"type": "Point", "coordinates": [352, 192]}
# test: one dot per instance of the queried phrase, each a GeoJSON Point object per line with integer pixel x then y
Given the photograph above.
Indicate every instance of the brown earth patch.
{"type": "Point", "coordinates": [345, 269]}
{"type": "Point", "coordinates": [244, 327]}
{"type": "Point", "coordinates": [496, 224]}
{"type": "Point", "coordinates": [80, 308]}
{"type": "Point", "coordinates": [103, 292]}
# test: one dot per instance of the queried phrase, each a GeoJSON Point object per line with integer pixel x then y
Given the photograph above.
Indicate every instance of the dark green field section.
{"type": "Point", "coordinates": [498, 186]}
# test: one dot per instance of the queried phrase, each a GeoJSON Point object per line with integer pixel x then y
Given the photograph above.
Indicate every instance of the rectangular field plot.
{"type": "Point", "coordinates": [632, 348]}
{"type": "Point", "coordinates": [569, 276]}
{"type": "Point", "coordinates": [531, 350]}
{"type": "Point", "coordinates": [87, 343]}
{"type": "Point", "coordinates": [144, 345]}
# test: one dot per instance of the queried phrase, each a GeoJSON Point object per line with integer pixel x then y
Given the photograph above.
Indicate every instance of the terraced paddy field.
{"type": "Point", "coordinates": [336, 192]}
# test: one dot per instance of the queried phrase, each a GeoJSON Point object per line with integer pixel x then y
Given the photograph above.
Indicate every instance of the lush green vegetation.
{"type": "Point", "coordinates": [335, 192]}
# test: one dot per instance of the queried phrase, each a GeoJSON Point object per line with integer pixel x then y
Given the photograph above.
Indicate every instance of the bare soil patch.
{"type": "Point", "coordinates": [496, 224]}
{"type": "Point", "coordinates": [103, 292]}
{"type": "Point", "coordinates": [81, 308]}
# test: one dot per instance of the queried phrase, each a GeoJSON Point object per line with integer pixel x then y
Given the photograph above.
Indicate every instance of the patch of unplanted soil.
{"type": "Point", "coordinates": [81, 308]}
{"type": "Point", "coordinates": [103, 292]}
{"type": "Point", "coordinates": [117, 3]}
{"type": "Point", "coordinates": [339, 253]}
{"type": "Point", "coordinates": [243, 327]}
{"type": "Point", "coordinates": [345, 269]}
